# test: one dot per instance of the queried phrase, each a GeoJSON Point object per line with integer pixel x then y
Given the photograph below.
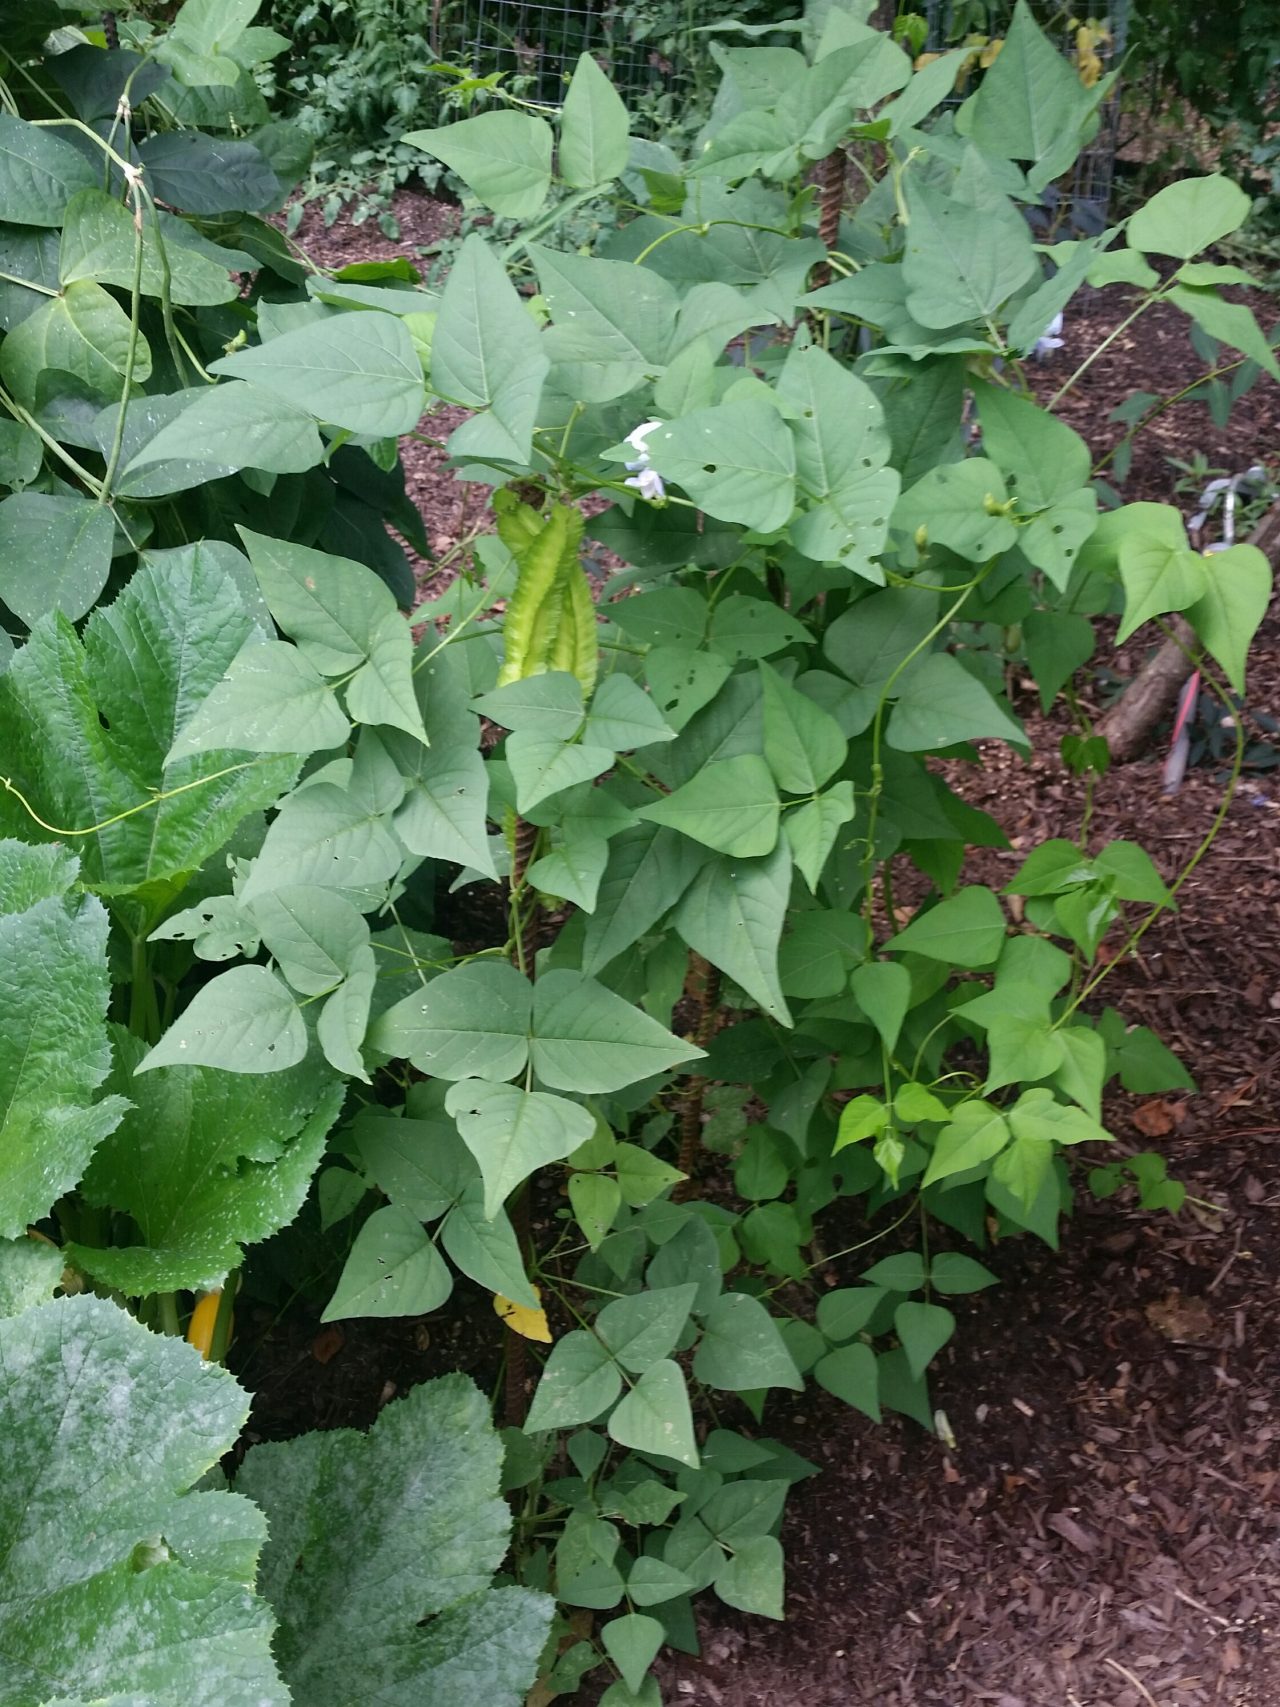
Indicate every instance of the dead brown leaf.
{"type": "Point", "coordinates": [328, 1343]}
{"type": "Point", "coordinates": [1185, 1321]}
{"type": "Point", "coordinates": [1155, 1119]}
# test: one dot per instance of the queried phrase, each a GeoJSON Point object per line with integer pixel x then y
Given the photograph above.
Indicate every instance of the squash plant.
{"type": "Point", "coordinates": [731, 916]}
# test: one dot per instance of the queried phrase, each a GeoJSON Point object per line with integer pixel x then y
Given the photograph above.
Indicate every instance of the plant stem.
{"type": "Point", "coordinates": [130, 811]}
{"type": "Point", "coordinates": [702, 227]}
{"type": "Point", "coordinates": [167, 1313]}
{"type": "Point", "coordinates": [562, 210]}
{"type": "Point", "coordinates": [849, 1250]}
{"type": "Point", "coordinates": [178, 345]}
{"type": "Point", "coordinates": [144, 1012]}
{"type": "Point", "coordinates": [1112, 335]}
{"type": "Point", "coordinates": [1206, 842]}
{"type": "Point", "coordinates": [131, 354]}
{"type": "Point", "coordinates": [877, 734]}
{"type": "Point", "coordinates": [690, 1103]}
{"type": "Point", "coordinates": [524, 948]}
{"type": "Point", "coordinates": [1158, 409]}
{"type": "Point", "coordinates": [50, 443]}
{"type": "Point", "coordinates": [487, 598]}
{"type": "Point", "coordinates": [29, 284]}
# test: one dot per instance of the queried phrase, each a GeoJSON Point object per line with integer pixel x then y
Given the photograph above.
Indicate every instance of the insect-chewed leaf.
{"type": "Point", "coordinates": [530, 1324]}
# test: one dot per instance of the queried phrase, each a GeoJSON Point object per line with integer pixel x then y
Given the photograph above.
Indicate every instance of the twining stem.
{"type": "Point", "coordinates": [877, 733]}
{"type": "Point", "coordinates": [130, 811]}
{"type": "Point", "coordinates": [707, 980]}
{"type": "Point", "coordinates": [131, 352]}
{"type": "Point", "coordinates": [1112, 335]}
{"type": "Point", "coordinates": [524, 948]}
{"type": "Point", "coordinates": [1158, 408]}
{"type": "Point", "coordinates": [1210, 836]}
{"type": "Point", "coordinates": [830, 178]}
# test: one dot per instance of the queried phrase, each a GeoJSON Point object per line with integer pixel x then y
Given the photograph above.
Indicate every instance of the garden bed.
{"type": "Point", "coordinates": [1106, 1530]}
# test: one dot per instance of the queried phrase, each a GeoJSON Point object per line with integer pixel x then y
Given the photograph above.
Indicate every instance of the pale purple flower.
{"type": "Point", "coordinates": [647, 481]}
{"type": "Point", "coordinates": [1049, 341]}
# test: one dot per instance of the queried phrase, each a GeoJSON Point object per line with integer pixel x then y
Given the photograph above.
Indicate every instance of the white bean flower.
{"type": "Point", "coordinates": [1049, 340]}
{"type": "Point", "coordinates": [647, 481]}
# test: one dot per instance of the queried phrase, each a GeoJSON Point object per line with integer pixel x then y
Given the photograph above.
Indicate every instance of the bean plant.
{"type": "Point", "coordinates": [773, 512]}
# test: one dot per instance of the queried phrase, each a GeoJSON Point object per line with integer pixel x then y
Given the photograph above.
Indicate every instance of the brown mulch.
{"type": "Point", "coordinates": [424, 222]}
{"type": "Point", "coordinates": [1156, 355]}
{"type": "Point", "coordinates": [1106, 1530]}
{"type": "Point", "coordinates": [1109, 1521]}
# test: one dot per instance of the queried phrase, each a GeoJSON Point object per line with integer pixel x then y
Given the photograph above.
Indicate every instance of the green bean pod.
{"type": "Point", "coordinates": [576, 647]}
{"type": "Point", "coordinates": [519, 524]}
{"type": "Point", "coordinates": [533, 614]}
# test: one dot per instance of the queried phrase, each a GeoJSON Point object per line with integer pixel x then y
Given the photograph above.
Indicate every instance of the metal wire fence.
{"type": "Point", "coordinates": [537, 43]}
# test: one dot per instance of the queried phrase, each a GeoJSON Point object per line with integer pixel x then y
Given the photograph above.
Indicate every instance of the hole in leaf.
{"type": "Point", "coordinates": [708, 468]}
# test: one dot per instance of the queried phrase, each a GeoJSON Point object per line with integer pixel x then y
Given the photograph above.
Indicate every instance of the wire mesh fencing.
{"type": "Point", "coordinates": [537, 43]}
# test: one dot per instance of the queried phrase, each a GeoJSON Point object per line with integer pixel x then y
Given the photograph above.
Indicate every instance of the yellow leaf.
{"type": "Point", "coordinates": [529, 1324]}
{"type": "Point", "coordinates": [1088, 63]}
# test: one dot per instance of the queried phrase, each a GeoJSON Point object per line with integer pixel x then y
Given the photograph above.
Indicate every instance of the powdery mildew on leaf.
{"type": "Point", "coordinates": [114, 1577]}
